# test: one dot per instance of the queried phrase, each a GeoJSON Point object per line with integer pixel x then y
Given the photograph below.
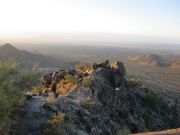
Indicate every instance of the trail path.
{"type": "Point", "coordinates": [32, 121]}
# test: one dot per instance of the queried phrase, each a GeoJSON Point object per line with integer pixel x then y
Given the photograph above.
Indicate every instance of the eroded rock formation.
{"type": "Point", "coordinates": [107, 105]}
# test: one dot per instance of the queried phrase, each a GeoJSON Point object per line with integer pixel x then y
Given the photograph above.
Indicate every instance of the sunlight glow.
{"type": "Point", "coordinates": [18, 17]}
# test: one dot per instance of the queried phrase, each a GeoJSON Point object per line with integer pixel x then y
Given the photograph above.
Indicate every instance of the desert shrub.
{"type": "Point", "coordinates": [7, 69]}
{"type": "Point", "coordinates": [49, 129]}
{"type": "Point", "coordinates": [124, 131]}
{"type": "Point", "coordinates": [152, 100]}
{"type": "Point", "coordinates": [14, 81]}
{"type": "Point", "coordinates": [80, 68]}
{"type": "Point", "coordinates": [57, 119]}
{"type": "Point", "coordinates": [59, 129]}
{"type": "Point", "coordinates": [134, 82]}
{"type": "Point", "coordinates": [86, 82]}
{"type": "Point", "coordinates": [86, 103]}
{"type": "Point", "coordinates": [28, 79]}
{"type": "Point", "coordinates": [52, 126]}
{"type": "Point", "coordinates": [71, 79]}
{"type": "Point", "coordinates": [37, 90]}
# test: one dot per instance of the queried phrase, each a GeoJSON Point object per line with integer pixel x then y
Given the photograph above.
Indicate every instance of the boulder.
{"type": "Point", "coordinates": [89, 70]}
{"type": "Point", "coordinates": [118, 67]}
{"type": "Point", "coordinates": [104, 64]}
{"type": "Point", "coordinates": [29, 95]}
{"type": "Point", "coordinates": [119, 73]}
{"type": "Point", "coordinates": [46, 79]}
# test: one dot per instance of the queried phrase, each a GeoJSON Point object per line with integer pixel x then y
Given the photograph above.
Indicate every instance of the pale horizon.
{"type": "Point", "coordinates": [155, 21]}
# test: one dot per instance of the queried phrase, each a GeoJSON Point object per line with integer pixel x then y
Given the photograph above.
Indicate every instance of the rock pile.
{"type": "Point", "coordinates": [116, 69]}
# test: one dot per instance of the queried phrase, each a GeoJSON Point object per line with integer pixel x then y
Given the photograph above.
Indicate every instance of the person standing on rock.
{"type": "Point", "coordinates": [53, 86]}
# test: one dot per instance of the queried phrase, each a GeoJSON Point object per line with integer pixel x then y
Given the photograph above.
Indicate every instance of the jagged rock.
{"type": "Point", "coordinates": [89, 70]}
{"type": "Point", "coordinates": [118, 67]}
{"type": "Point", "coordinates": [47, 79]}
{"type": "Point", "coordinates": [104, 64]}
{"type": "Point", "coordinates": [29, 95]}
{"type": "Point", "coordinates": [50, 107]}
{"type": "Point", "coordinates": [120, 72]}
{"type": "Point", "coordinates": [109, 106]}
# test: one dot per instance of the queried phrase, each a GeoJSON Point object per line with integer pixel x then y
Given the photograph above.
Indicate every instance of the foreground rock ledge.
{"type": "Point", "coordinates": [109, 105]}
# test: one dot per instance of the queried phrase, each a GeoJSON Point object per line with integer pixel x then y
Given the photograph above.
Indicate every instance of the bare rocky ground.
{"type": "Point", "coordinates": [110, 105]}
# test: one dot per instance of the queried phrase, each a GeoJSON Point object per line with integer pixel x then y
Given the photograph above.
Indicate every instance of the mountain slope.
{"type": "Point", "coordinates": [28, 60]}
{"type": "Point", "coordinates": [150, 60]}
{"type": "Point", "coordinates": [175, 63]}
{"type": "Point", "coordinates": [107, 105]}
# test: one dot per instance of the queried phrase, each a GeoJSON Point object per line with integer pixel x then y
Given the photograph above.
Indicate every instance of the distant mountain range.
{"type": "Point", "coordinates": [153, 60]}
{"type": "Point", "coordinates": [28, 60]}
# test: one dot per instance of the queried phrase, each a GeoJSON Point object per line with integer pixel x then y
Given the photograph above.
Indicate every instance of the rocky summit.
{"type": "Point", "coordinates": [95, 99]}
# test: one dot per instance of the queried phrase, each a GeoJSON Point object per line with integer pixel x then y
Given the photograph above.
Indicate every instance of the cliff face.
{"type": "Point", "coordinates": [103, 102]}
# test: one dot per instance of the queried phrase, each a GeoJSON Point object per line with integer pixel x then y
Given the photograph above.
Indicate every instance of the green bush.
{"type": "Point", "coordinates": [86, 82]}
{"type": "Point", "coordinates": [71, 79]}
{"type": "Point", "coordinates": [152, 100]}
{"type": "Point", "coordinates": [80, 68]}
{"type": "Point", "coordinates": [14, 80]}
{"type": "Point", "coordinates": [134, 82]}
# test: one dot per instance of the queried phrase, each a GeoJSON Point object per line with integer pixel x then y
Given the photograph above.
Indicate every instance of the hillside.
{"type": "Point", "coordinates": [175, 63]}
{"type": "Point", "coordinates": [150, 60]}
{"type": "Point", "coordinates": [28, 60]}
{"type": "Point", "coordinates": [95, 99]}
{"type": "Point", "coordinates": [14, 81]}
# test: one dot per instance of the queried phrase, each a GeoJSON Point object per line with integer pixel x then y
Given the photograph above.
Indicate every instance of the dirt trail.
{"type": "Point", "coordinates": [32, 121]}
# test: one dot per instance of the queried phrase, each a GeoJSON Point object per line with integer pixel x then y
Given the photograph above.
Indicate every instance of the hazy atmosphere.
{"type": "Point", "coordinates": [154, 21]}
{"type": "Point", "coordinates": [89, 67]}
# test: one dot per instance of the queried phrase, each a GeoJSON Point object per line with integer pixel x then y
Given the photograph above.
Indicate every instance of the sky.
{"type": "Point", "coordinates": [48, 20]}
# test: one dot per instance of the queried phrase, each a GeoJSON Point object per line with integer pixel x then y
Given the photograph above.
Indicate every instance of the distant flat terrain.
{"type": "Point", "coordinates": [163, 80]}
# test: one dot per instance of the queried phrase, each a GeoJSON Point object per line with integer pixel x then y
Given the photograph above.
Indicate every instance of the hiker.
{"type": "Point", "coordinates": [53, 86]}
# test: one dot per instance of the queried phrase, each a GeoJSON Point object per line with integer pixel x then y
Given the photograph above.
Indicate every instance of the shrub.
{"type": "Point", "coordinates": [51, 128]}
{"type": "Point", "coordinates": [86, 103]}
{"type": "Point", "coordinates": [57, 119]}
{"type": "Point", "coordinates": [37, 90]}
{"type": "Point", "coordinates": [7, 69]}
{"type": "Point", "coordinates": [80, 68]}
{"type": "Point", "coordinates": [152, 100]}
{"type": "Point", "coordinates": [71, 79]}
{"type": "Point", "coordinates": [86, 82]}
{"type": "Point", "coordinates": [134, 82]}
{"type": "Point", "coordinates": [14, 80]}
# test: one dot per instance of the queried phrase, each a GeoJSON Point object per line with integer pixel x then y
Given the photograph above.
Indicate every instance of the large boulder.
{"type": "Point", "coordinates": [104, 64]}
{"type": "Point", "coordinates": [118, 67]}
{"type": "Point", "coordinates": [46, 79]}
{"type": "Point", "coordinates": [119, 73]}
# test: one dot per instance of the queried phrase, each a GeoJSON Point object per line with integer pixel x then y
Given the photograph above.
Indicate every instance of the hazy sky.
{"type": "Point", "coordinates": [159, 19]}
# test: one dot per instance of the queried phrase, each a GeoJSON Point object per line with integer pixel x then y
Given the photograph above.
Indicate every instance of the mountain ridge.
{"type": "Point", "coordinates": [102, 102]}
{"type": "Point", "coordinates": [150, 60]}
{"type": "Point", "coordinates": [28, 59]}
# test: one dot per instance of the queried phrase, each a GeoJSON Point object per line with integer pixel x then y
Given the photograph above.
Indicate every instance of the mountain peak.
{"type": "Point", "coordinates": [8, 46]}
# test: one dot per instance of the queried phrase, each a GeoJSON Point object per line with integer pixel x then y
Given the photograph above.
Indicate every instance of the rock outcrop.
{"type": "Point", "coordinates": [108, 105]}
